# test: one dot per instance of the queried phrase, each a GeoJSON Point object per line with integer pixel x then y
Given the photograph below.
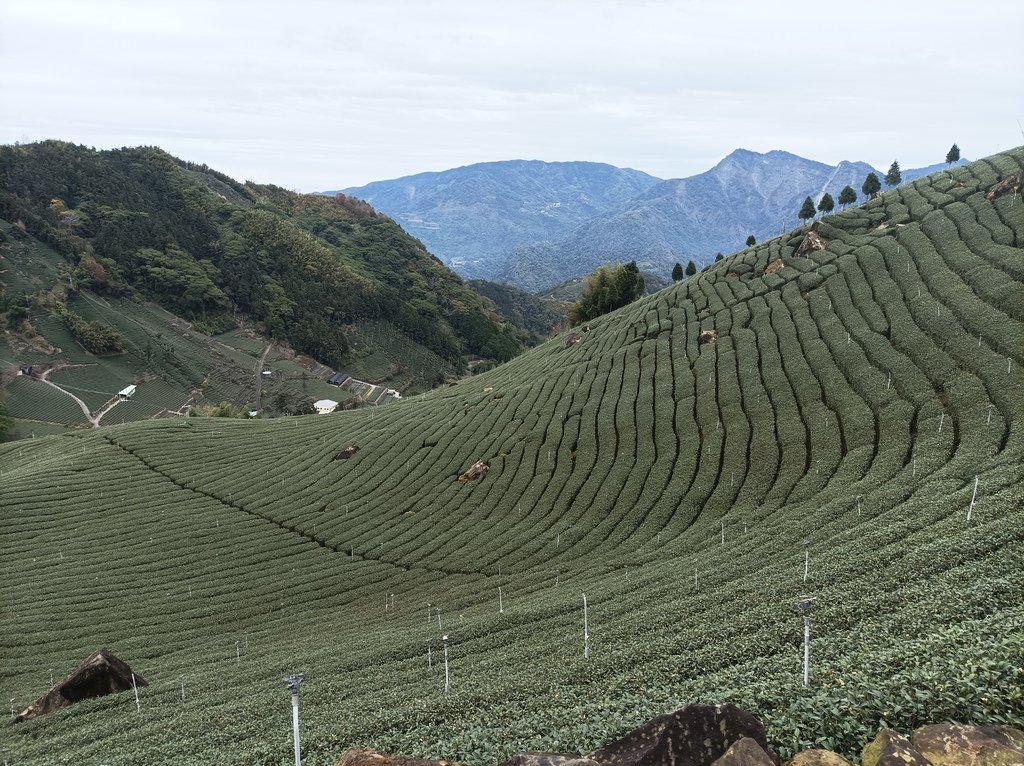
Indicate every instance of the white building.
{"type": "Point", "coordinates": [325, 406]}
{"type": "Point", "coordinates": [126, 392]}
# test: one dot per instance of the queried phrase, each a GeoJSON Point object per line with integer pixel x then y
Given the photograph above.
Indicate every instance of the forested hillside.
{"type": "Point", "coordinates": [205, 246]}
{"type": "Point", "coordinates": [835, 413]}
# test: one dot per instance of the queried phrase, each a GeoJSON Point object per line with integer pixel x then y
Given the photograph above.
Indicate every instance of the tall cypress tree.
{"type": "Point", "coordinates": [871, 186]}
{"type": "Point", "coordinates": [807, 210]}
{"type": "Point", "coordinates": [893, 177]}
{"type": "Point", "coordinates": [953, 155]}
{"type": "Point", "coordinates": [847, 196]}
{"type": "Point", "coordinates": [827, 204]}
{"type": "Point", "coordinates": [751, 241]}
{"type": "Point", "coordinates": [691, 269]}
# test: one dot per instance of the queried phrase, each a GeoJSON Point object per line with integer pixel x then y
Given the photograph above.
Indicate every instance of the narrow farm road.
{"type": "Point", "coordinates": [85, 408]}
{"type": "Point", "coordinates": [105, 409]}
{"type": "Point", "coordinates": [259, 375]}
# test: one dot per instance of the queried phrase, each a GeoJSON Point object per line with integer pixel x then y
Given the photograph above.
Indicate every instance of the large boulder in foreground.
{"type": "Point", "coordinates": [744, 752]}
{"type": "Point", "coordinates": [891, 748]}
{"type": "Point", "coordinates": [102, 673]}
{"type": "Point", "coordinates": [695, 735]}
{"type": "Point", "coordinates": [948, 744]}
{"type": "Point", "coordinates": [817, 758]}
{"type": "Point", "coordinates": [359, 756]}
{"type": "Point", "coordinates": [549, 759]}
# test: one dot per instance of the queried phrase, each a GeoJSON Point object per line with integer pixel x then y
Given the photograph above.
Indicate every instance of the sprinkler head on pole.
{"type": "Point", "coordinates": [804, 605]}
{"type": "Point", "coordinates": [293, 681]}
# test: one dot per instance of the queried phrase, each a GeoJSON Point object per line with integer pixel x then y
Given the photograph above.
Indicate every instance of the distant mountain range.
{"type": "Point", "coordinates": [536, 224]}
{"type": "Point", "coordinates": [473, 217]}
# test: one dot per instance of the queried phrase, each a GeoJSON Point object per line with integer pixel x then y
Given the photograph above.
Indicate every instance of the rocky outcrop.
{"type": "Point", "coordinates": [891, 748]}
{"type": "Point", "coordinates": [549, 759]}
{"type": "Point", "coordinates": [1009, 185]}
{"type": "Point", "coordinates": [358, 756]}
{"type": "Point", "coordinates": [695, 735]}
{"type": "Point", "coordinates": [817, 758]}
{"type": "Point", "coordinates": [707, 336]}
{"type": "Point", "coordinates": [947, 744]}
{"type": "Point", "coordinates": [745, 752]}
{"type": "Point", "coordinates": [478, 470]}
{"type": "Point", "coordinates": [100, 674]}
{"type": "Point", "coordinates": [812, 242]}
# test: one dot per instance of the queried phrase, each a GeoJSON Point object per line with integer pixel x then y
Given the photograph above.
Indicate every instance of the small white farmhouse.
{"type": "Point", "coordinates": [127, 392]}
{"type": "Point", "coordinates": [325, 406]}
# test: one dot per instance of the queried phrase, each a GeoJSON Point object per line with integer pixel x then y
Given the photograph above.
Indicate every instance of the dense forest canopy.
{"type": "Point", "coordinates": [204, 246]}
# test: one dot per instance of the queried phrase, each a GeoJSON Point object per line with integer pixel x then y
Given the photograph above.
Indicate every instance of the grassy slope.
{"type": "Point", "coordinates": [616, 467]}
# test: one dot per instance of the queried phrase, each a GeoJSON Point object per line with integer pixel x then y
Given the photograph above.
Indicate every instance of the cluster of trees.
{"type": "Point", "coordinates": [608, 288]}
{"type": "Point", "coordinates": [871, 186]}
{"type": "Point", "coordinates": [96, 337]}
{"type": "Point", "coordinates": [678, 271]}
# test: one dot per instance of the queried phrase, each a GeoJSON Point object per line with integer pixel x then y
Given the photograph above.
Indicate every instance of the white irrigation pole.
{"type": "Point", "coordinates": [804, 607]}
{"type": "Point", "coordinates": [439, 618]}
{"type": "Point", "coordinates": [586, 634]}
{"type": "Point", "coordinates": [974, 496]}
{"type": "Point", "coordinates": [988, 421]}
{"type": "Point", "coordinates": [293, 682]}
{"type": "Point", "coordinates": [430, 659]}
{"type": "Point", "coordinates": [138, 707]}
{"type": "Point", "coordinates": [942, 417]}
{"type": "Point", "coordinates": [12, 707]}
{"type": "Point", "coordinates": [695, 578]}
{"type": "Point", "coordinates": [807, 559]}
{"type": "Point", "coordinates": [444, 640]}
{"type": "Point", "coordinates": [723, 533]}
{"type": "Point", "coordinates": [182, 679]}
{"type": "Point", "coordinates": [501, 607]}
{"type": "Point", "coordinates": [428, 613]}
{"type": "Point", "coordinates": [238, 655]}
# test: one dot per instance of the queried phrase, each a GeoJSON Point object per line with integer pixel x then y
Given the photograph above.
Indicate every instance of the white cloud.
{"type": "Point", "coordinates": [326, 94]}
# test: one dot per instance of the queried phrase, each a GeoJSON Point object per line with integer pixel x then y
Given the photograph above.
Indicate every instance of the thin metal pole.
{"type": "Point", "coordinates": [974, 495]}
{"type": "Point", "coordinates": [446, 664]}
{"type": "Point", "coordinates": [182, 678]}
{"type": "Point", "coordinates": [439, 618]}
{"type": "Point", "coordinates": [138, 707]}
{"type": "Point", "coordinates": [586, 634]}
{"type": "Point", "coordinates": [807, 563]}
{"type": "Point", "coordinates": [501, 607]}
{"type": "Point", "coordinates": [807, 649]}
{"type": "Point", "coordinates": [295, 727]}
{"type": "Point", "coordinates": [430, 660]}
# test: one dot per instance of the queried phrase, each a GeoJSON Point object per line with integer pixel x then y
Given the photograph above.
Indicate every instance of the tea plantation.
{"type": "Point", "coordinates": [839, 418]}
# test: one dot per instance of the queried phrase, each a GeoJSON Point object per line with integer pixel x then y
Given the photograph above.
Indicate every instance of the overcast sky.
{"type": "Point", "coordinates": [321, 95]}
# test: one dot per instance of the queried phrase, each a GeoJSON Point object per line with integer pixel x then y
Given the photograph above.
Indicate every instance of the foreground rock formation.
{"type": "Point", "coordinates": [100, 674]}
{"type": "Point", "coordinates": [725, 735]}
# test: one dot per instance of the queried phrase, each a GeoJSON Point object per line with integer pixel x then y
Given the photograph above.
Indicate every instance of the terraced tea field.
{"type": "Point", "coordinates": [827, 441]}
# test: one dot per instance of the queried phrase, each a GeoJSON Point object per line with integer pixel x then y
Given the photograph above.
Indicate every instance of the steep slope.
{"type": "Point", "coordinates": [692, 218]}
{"type": "Point", "coordinates": [204, 246]}
{"type": "Point", "coordinates": [827, 442]}
{"type": "Point", "coordinates": [473, 216]}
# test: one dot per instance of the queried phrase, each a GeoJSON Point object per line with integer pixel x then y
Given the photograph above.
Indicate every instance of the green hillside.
{"type": "Point", "coordinates": [310, 269]}
{"type": "Point", "coordinates": [851, 400]}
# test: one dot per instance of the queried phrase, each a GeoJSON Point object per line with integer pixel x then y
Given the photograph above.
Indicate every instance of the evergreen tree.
{"type": "Point", "coordinates": [827, 204]}
{"type": "Point", "coordinates": [807, 210]}
{"type": "Point", "coordinates": [719, 257]}
{"type": "Point", "coordinates": [893, 177]}
{"type": "Point", "coordinates": [677, 272]}
{"type": "Point", "coordinates": [847, 196]}
{"type": "Point", "coordinates": [691, 269]}
{"type": "Point", "coordinates": [871, 186]}
{"type": "Point", "coordinates": [751, 241]}
{"type": "Point", "coordinates": [953, 155]}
